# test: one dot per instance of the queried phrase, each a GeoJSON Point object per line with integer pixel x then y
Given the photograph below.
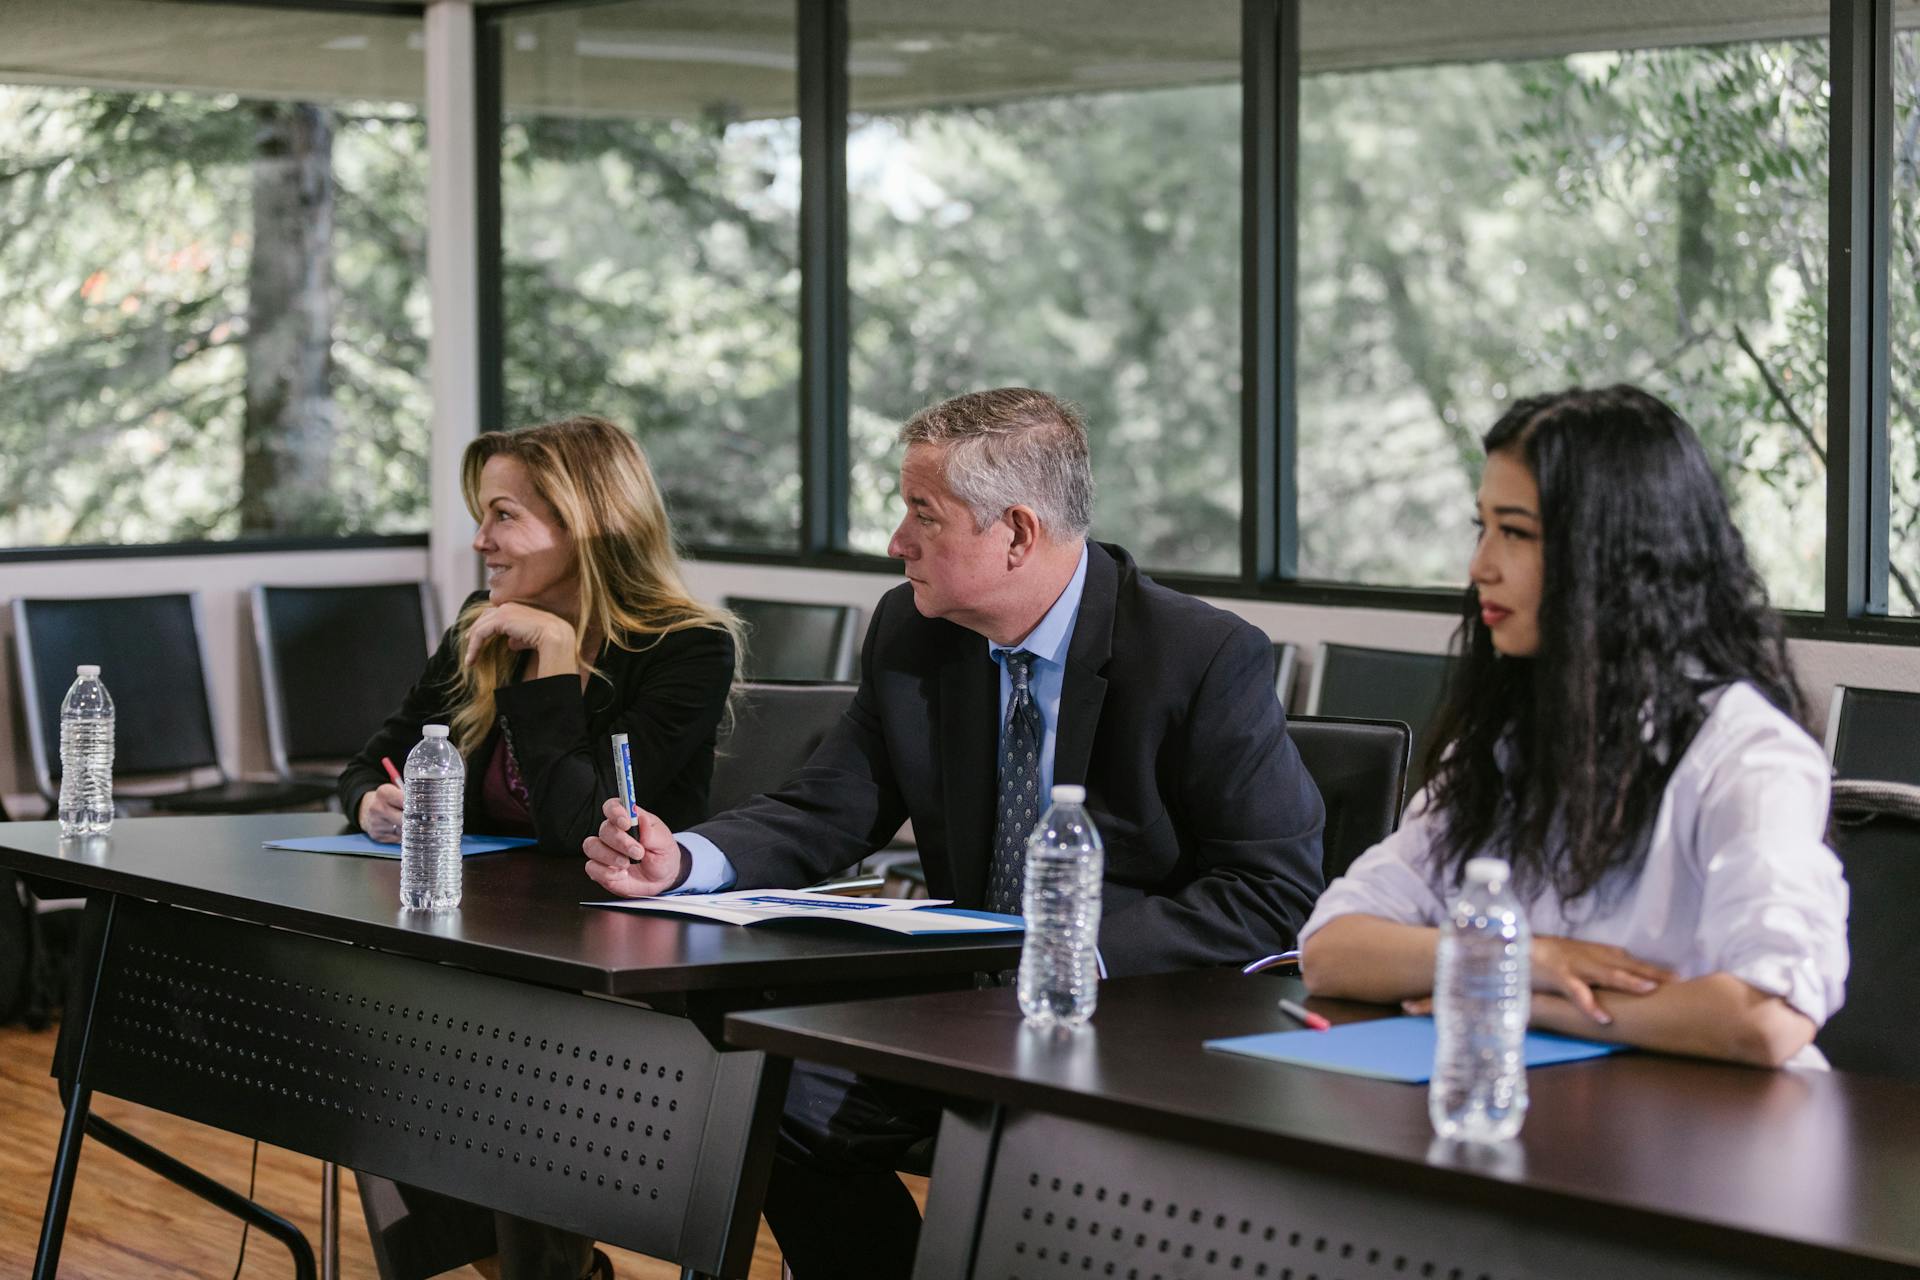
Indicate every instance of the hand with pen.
{"type": "Point", "coordinates": [382, 808]}
{"type": "Point", "coordinates": [634, 855]}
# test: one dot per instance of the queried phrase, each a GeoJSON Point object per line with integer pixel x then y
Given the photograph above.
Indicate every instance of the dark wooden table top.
{"type": "Point", "coordinates": [520, 914]}
{"type": "Point", "coordinates": [1805, 1168]}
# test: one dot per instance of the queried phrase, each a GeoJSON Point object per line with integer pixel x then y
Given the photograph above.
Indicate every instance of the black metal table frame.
{"type": "Point", "coordinates": [599, 1115]}
{"type": "Point", "coordinates": [1018, 1194]}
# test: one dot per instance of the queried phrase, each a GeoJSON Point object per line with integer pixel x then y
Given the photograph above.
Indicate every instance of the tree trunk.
{"type": "Point", "coordinates": [1694, 247]}
{"type": "Point", "coordinates": [287, 436]}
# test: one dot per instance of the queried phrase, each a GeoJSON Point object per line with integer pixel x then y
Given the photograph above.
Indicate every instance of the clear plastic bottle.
{"type": "Point", "coordinates": [86, 756]}
{"type": "Point", "coordinates": [430, 830]}
{"type": "Point", "coordinates": [1482, 996]}
{"type": "Point", "coordinates": [1059, 979]}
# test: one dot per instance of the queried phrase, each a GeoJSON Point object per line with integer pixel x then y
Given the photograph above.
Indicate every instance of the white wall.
{"type": "Point", "coordinates": [223, 581]}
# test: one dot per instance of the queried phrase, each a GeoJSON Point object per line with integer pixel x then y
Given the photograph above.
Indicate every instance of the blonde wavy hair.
{"type": "Point", "coordinates": [598, 483]}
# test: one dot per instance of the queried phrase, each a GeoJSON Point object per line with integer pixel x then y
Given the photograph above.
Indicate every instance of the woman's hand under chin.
{"type": "Point", "coordinates": [523, 626]}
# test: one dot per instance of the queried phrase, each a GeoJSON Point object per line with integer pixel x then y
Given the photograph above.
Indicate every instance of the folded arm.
{"type": "Point", "coordinates": [1717, 1016]}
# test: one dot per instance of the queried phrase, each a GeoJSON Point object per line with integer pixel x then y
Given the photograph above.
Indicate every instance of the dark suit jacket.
{"type": "Point", "coordinates": [667, 696]}
{"type": "Point", "coordinates": [1167, 715]}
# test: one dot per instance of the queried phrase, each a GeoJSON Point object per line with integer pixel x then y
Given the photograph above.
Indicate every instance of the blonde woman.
{"type": "Point", "coordinates": [585, 630]}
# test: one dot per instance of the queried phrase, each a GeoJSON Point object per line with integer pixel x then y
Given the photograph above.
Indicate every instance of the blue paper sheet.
{"type": "Point", "coordinates": [1390, 1048]}
{"type": "Point", "coordinates": [368, 848]}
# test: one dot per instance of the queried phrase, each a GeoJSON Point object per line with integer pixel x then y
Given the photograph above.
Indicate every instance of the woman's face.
{"type": "Point", "coordinates": [1506, 565]}
{"type": "Point", "coordinates": [529, 556]}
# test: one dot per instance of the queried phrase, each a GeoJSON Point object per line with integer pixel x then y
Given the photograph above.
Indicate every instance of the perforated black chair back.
{"type": "Point", "coordinates": [335, 662]}
{"type": "Point", "coordinates": [1873, 1032]}
{"type": "Point", "coordinates": [1380, 684]}
{"type": "Point", "coordinates": [1360, 767]}
{"type": "Point", "coordinates": [775, 728]}
{"type": "Point", "coordinates": [1874, 733]}
{"type": "Point", "coordinates": [151, 655]}
{"type": "Point", "coordinates": [149, 652]}
{"type": "Point", "coordinates": [1286, 665]}
{"type": "Point", "coordinates": [795, 640]}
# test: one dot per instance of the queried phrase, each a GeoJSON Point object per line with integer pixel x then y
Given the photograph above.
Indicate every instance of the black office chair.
{"type": "Point", "coordinates": [1361, 768]}
{"type": "Point", "coordinates": [1380, 684]}
{"type": "Point", "coordinates": [1878, 840]}
{"type": "Point", "coordinates": [775, 728]}
{"type": "Point", "coordinates": [334, 663]}
{"type": "Point", "coordinates": [1286, 665]}
{"type": "Point", "coordinates": [152, 655]}
{"type": "Point", "coordinates": [1874, 733]}
{"type": "Point", "coordinates": [794, 640]}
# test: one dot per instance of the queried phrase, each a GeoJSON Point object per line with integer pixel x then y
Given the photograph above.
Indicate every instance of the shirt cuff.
{"type": "Point", "coordinates": [711, 872]}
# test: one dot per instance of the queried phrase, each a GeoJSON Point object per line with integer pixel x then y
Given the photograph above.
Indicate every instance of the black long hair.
{"type": "Point", "coordinates": [1558, 762]}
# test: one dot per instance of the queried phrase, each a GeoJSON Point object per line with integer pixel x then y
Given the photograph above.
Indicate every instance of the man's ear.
{"type": "Point", "coordinates": [1026, 534]}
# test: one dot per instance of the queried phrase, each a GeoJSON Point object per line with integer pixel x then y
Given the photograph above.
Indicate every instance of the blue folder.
{"type": "Point", "coordinates": [1390, 1048]}
{"type": "Point", "coordinates": [369, 848]}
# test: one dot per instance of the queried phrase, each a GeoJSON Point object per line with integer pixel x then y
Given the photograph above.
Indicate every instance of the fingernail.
{"type": "Point", "coordinates": [1648, 984]}
{"type": "Point", "coordinates": [1604, 1018]}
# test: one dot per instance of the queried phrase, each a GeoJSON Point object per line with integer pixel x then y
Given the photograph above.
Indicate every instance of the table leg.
{"type": "Point", "coordinates": [329, 1220]}
{"type": "Point", "coordinates": [73, 1130]}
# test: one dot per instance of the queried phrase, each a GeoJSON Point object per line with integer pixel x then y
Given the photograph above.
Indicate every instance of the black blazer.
{"type": "Point", "coordinates": [667, 697]}
{"type": "Point", "coordinates": [1167, 715]}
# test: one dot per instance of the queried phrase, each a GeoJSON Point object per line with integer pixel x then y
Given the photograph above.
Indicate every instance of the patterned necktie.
{"type": "Point", "coordinates": [1017, 806]}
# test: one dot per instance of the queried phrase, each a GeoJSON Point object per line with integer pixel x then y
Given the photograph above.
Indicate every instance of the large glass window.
{"type": "Point", "coordinates": [650, 226]}
{"type": "Point", "coordinates": [1903, 316]}
{"type": "Point", "coordinates": [214, 315]}
{"type": "Point", "coordinates": [1471, 233]}
{"type": "Point", "coordinates": [1050, 196]}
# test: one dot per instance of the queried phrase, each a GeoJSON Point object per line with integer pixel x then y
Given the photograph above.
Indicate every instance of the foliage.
{"type": "Point", "coordinates": [1468, 234]}
{"type": "Point", "coordinates": [124, 238]}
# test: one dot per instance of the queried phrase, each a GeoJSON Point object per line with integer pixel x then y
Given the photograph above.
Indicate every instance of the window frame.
{"type": "Point", "coordinates": [1858, 482]}
{"type": "Point", "coordinates": [1859, 485]}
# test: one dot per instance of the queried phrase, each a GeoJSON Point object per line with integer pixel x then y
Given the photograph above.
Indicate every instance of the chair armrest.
{"type": "Point", "coordinates": [1286, 962]}
{"type": "Point", "coordinates": [853, 887]}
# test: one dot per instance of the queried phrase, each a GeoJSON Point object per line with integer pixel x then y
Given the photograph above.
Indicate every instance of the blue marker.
{"type": "Point", "coordinates": [623, 773]}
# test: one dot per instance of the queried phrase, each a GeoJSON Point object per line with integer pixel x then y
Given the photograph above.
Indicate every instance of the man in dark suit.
{"type": "Point", "coordinates": [1013, 635]}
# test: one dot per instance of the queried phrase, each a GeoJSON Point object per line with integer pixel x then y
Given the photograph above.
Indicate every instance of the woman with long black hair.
{"type": "Point", "coordinates": [1622, 731]}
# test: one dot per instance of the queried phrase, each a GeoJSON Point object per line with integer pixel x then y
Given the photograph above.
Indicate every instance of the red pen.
{"type": "Point", "coordinates": [393, 773]}
{"type": "Point", "coordinates": [1313, 1020]}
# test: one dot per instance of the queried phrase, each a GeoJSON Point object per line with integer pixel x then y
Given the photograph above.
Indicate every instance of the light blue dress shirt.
{"type": "Point", "coordinates": [1048, 642]}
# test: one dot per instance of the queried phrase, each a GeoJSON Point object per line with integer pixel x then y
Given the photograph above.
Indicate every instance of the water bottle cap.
{"type": "Point", "coordinates": [1067, 793]}
{"type": "Point", "coordinates": [1488, 869]}
{"type": "Point", "coordinates": [86, 669]}
{"type": "Point", "coordinates": [433, 730]}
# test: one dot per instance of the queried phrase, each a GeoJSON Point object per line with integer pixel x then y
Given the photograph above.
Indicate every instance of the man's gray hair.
{"type": "Point", "coordinates": [1012, 447]}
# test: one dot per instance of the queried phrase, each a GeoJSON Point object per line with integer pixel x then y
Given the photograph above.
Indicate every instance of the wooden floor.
{"type": "Point", "coordinates": [128, 1224]}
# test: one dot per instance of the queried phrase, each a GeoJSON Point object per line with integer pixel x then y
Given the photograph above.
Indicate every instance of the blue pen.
{"type": "Point", "coordinates": [623, 773]}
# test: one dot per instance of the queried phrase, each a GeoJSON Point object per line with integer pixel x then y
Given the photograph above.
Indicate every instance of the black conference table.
{"type": "Point", "coordinates": [522, 1052]}
{"type": "Point", "coordinates": [1130, 1151]}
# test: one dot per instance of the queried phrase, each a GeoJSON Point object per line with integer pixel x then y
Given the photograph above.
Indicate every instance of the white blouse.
{"type": "Point", "coordinates": [1738, 878]}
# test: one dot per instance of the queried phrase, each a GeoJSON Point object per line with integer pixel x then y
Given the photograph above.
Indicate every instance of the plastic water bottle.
{"type": "Point", "coordinates": [1059, 980]}
{"type": "Point", "coordinates": [430, 828]}
{"type": "Point", "coordinates": [1482, 996]}
{"type": "Point", "coordinates": [86, 756]}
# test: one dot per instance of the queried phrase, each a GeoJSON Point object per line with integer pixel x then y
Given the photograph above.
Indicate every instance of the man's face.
{"type": "Point", "coordinates": [957, 571]}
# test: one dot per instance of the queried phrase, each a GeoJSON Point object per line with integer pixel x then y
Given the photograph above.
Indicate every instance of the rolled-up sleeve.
{"type": "Point", "coordinates": [1773, 908]}
{"type": "Point", "coordinates": [1392, 880]}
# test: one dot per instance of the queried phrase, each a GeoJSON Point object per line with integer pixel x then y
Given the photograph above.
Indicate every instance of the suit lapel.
{"type": "Point", "coordinates": [968, 734]}
{"type": "Point", "coordinates": [1084, 690]}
